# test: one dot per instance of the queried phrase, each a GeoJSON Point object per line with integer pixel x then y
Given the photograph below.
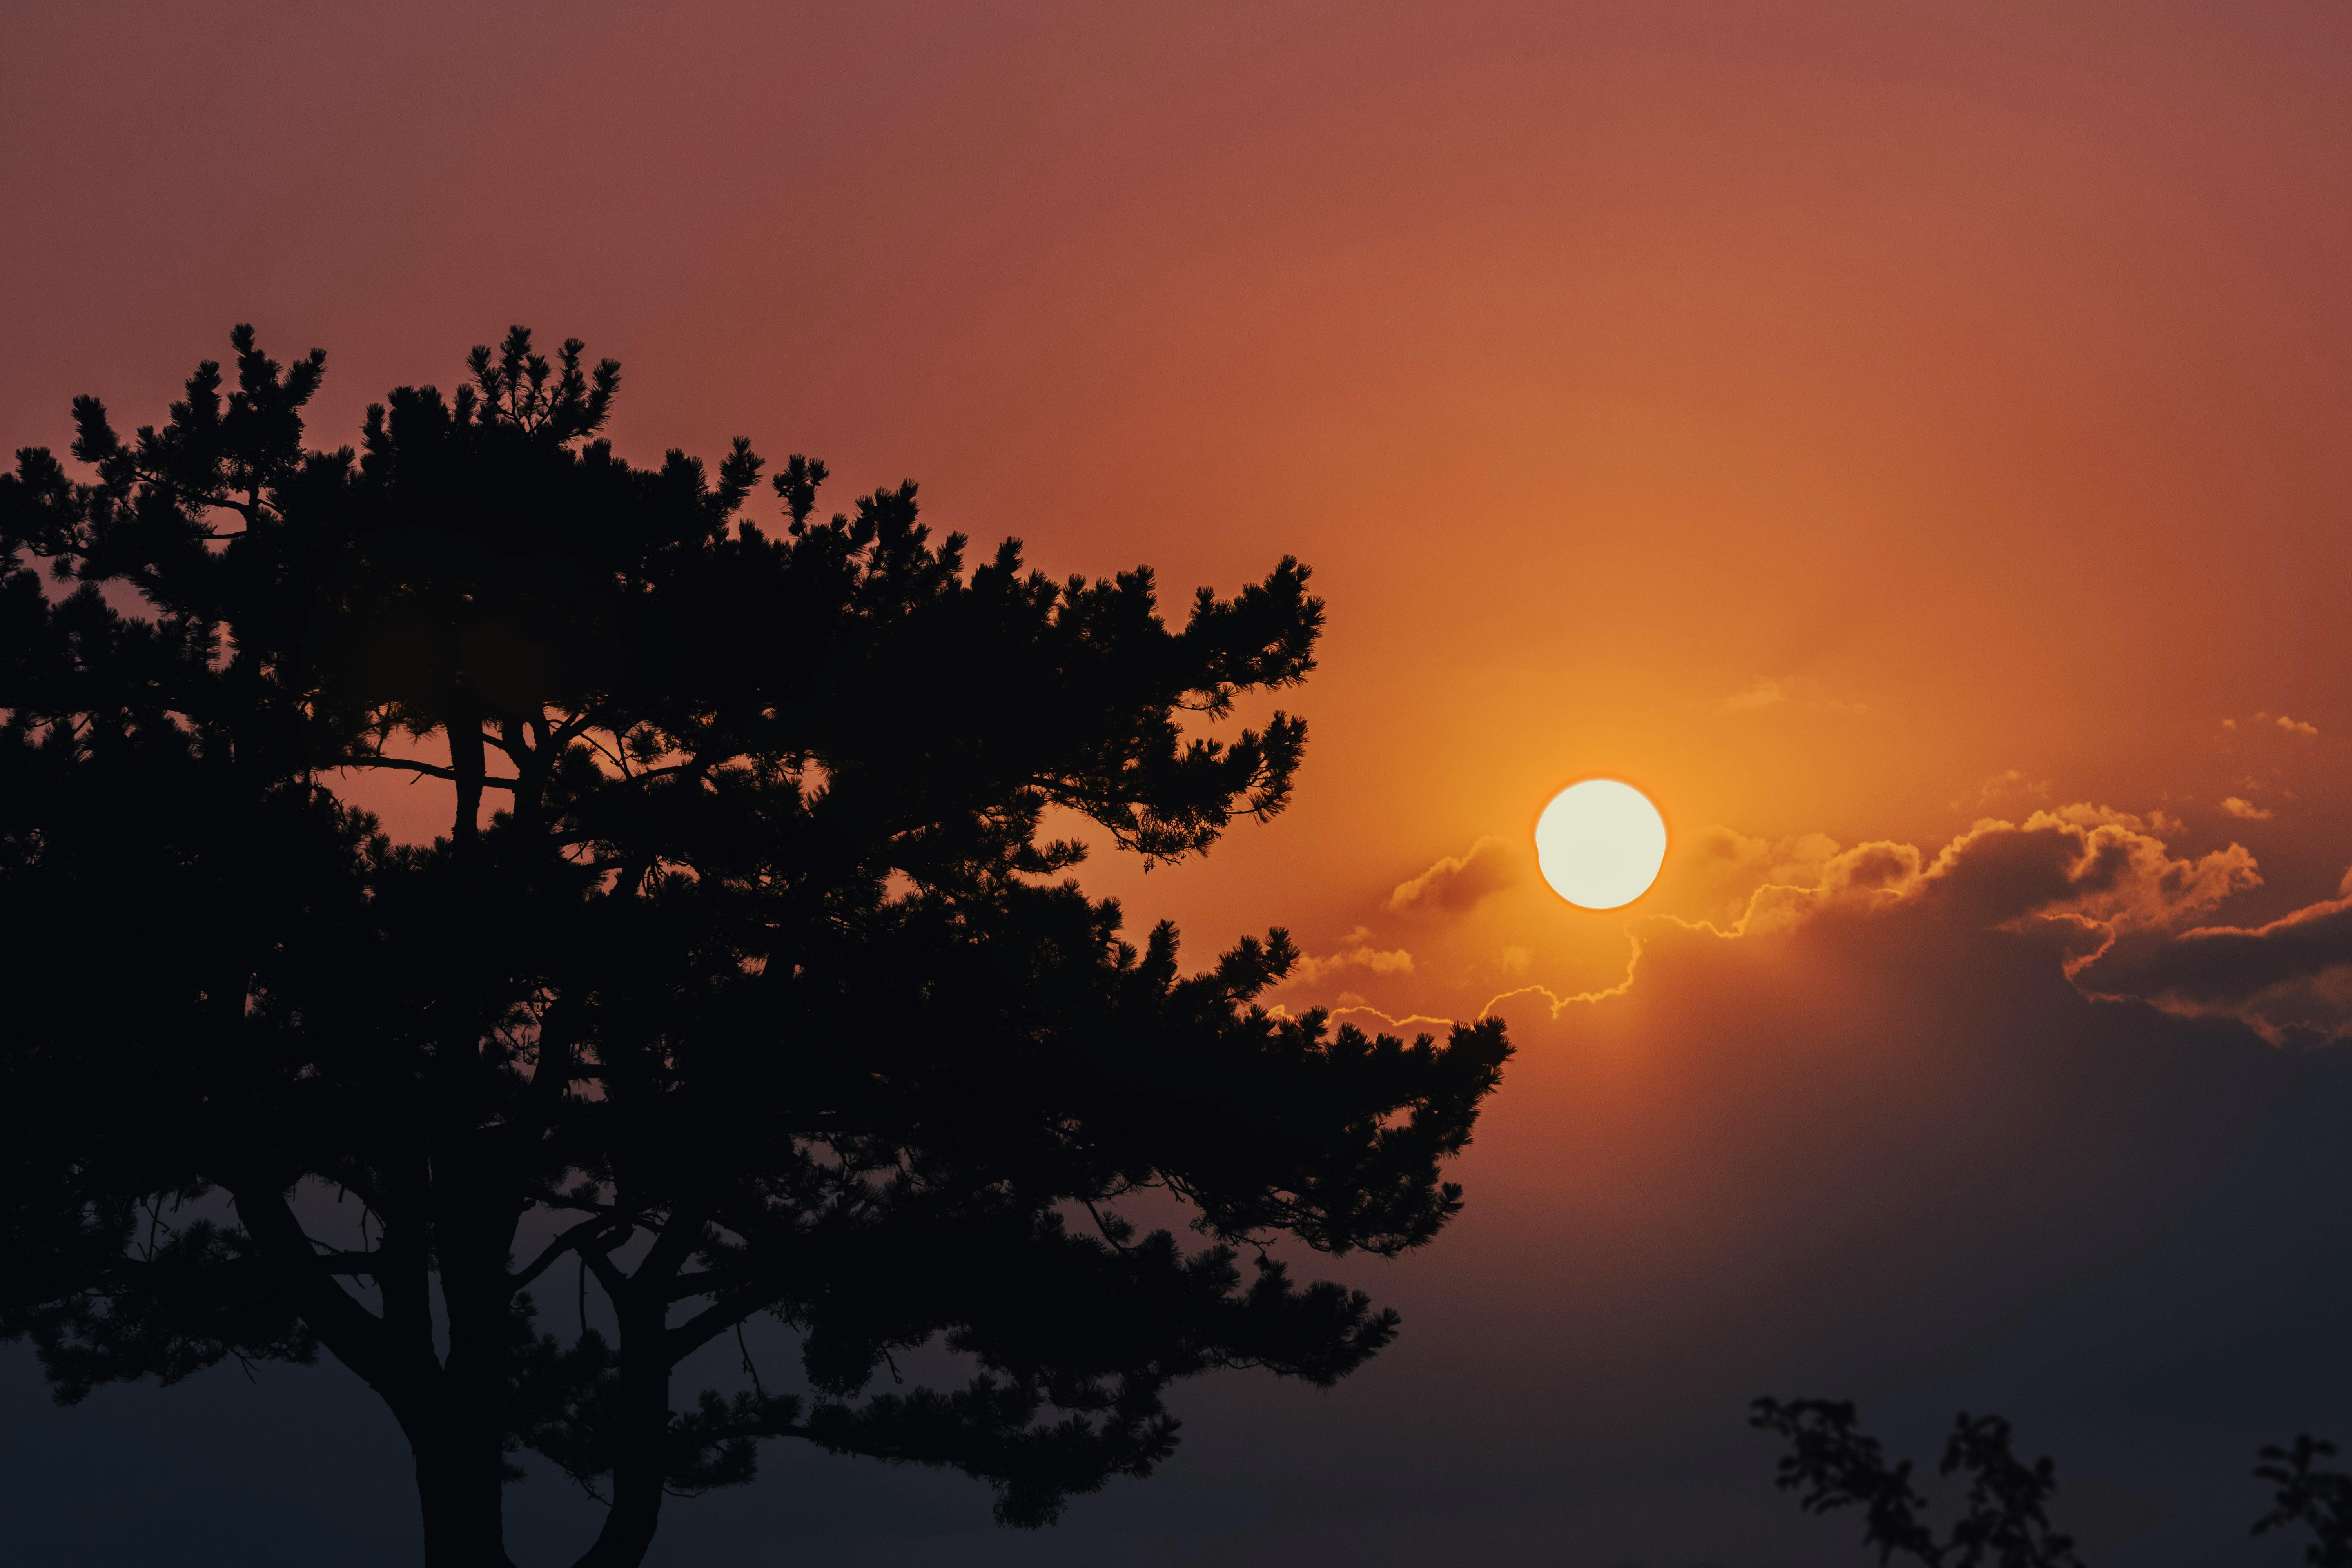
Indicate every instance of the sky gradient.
{"type": "Point", "coordinates": [1911, 442]}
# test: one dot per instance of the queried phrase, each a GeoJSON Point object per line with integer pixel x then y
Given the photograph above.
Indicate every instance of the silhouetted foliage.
{"type": "Point", "coordinates": [2319, 1500]}
{"type": "Point", "coordinates": [758, 992]}
{"type": "Point", "coordinates": [1835, 1466]}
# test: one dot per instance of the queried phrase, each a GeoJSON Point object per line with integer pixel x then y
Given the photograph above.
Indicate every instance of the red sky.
{"type": "Point", "coordinates": [1846, 421]}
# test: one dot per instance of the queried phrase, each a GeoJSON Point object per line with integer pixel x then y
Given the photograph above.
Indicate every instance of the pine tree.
{"type": "Point", "coordinates": [745, 981]}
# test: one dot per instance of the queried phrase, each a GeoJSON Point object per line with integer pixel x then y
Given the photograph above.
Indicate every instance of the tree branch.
{"type": "Point", "coordinates": [358, 1337]}
{"type": "Point", "coordinates": [410, 765]}
{"type": "Point", "coordinates": [578, 1236]}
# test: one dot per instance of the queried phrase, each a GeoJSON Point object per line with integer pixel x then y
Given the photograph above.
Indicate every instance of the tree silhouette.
{"type": "Point", "coordinates": [758, 990]}
{"type": "Point", "coordinates": [2319, 1500]}
{"type": "Point", "coordinates": [1835, 1464]}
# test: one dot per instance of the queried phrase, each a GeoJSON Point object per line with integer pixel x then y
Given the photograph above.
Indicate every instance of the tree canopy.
{"type": "Point", "coordinates": [746, 979]}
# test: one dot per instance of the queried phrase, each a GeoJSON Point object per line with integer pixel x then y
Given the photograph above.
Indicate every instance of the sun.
{"type": "Point", "coordinates": [1600, 844]}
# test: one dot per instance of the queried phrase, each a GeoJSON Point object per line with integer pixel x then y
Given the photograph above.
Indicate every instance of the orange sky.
{"type": "Point", "coordinates": [1845, 421]}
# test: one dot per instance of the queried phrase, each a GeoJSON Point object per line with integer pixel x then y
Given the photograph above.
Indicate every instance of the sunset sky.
{"type": "Point", "coordinates": [1911, 442]}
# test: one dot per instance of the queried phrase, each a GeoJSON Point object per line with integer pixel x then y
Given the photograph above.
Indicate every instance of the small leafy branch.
{"type": "Point", "coordinates": [2319, 1500]}
{"type": "Point", "coordinates": [1833, 1464]}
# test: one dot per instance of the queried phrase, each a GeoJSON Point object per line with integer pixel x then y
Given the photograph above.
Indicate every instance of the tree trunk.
{"type": "Point", "coordinates": [640, 1467]}
{"type": "Point", "coordinates": [461, 1485]}
{"type": "Point", "coordinates": [460, 1445]}
{"type": "Point", "coordinates": [628, 1529]}
{"type": "Point", "coordinates": [468, 760]}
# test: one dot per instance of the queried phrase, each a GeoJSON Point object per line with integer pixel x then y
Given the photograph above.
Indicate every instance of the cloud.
{"type": "Point", "coordinates": [1769, 691]}
{"type": "Point", "coordinates": [1721, 850]}
{"type": "Point", "coordinates": [2102, 870]}
{"type": "Point", "coordinates": [2291, 726]}
{"type": "Point", "coordinates": [2247, 809]}
{"type": "Point", "coordinates": [1459, 882]}
{"type": "Point", "coordinates": [2074, 881]}
{"type": "Point", "coordinates": [1355, 952]}
{"type": "Point", "coordinates": [2011, 785]}
{"type": "Point", "coordinates": [1727, 860]}
{"type": "Point", "coordinates": [2290, 980]}
{"type": "Point", "coordinates": [1766, 693]}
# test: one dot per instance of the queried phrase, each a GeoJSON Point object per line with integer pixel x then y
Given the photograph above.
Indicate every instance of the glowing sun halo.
{"type": "Point", "coordinates": [1600, 844]}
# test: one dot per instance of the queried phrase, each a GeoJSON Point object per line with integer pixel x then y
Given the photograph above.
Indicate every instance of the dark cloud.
{"type": "Point", "coordinates": [2292, 977]}
{"type": "Point", "coordinates": [1459, 882]}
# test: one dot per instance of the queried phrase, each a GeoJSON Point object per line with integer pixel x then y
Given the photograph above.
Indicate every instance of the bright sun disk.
{"type": "Point", "coordinates": [1600, 844]}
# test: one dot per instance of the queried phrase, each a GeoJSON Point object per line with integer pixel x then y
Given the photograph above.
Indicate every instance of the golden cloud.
{"type": "Point", "coordinates": [1771, 691]}
{"type": "Point", "coordinates": [2094, 894]}
{"type": "Point", "coordinates": [1355, 952]}
{"type": "Point", "coordinates": [1459, 882]}
{"type": "Point", "coordinates": [2075, 862]}
{"type": "Point", "coordinates": [1766, 693]}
